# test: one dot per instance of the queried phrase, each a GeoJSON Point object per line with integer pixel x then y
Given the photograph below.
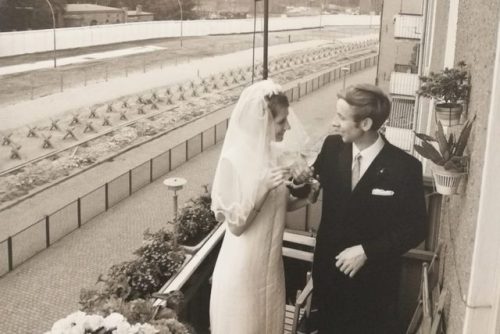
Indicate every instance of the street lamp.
{"type": "Point", "coordinates": [175, 184]}
{"type": "Point", "coordinates": [180, 6]}
{"type": "Point", "coordinates": [54, 30]}
{"type": "Point", "coordinates": [344, 70]}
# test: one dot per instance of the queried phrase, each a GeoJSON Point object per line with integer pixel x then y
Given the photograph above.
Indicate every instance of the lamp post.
{"type": "Point", "coordinates": [175, 184]}
{"type": "Point", "coordinates": [54, 31]}
{"type": "Point", "coordinates": [344, 70]}
{"type": "Point", "coordinates": [180, 6]}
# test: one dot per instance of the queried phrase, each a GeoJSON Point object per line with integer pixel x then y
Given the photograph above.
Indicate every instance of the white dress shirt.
{"type": "Point", "coordinates": [367, 155]}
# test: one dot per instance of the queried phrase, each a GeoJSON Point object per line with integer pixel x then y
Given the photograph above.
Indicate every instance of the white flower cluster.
{"type": "Point", "coordinates": [81, 323]}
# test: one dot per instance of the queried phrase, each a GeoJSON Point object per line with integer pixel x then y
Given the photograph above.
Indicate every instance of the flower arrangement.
{"type": "Point", "coordinates": [114, 323]}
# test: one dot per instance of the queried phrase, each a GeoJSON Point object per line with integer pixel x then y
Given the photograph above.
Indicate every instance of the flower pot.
{"type": "Point", "coordinates": [446, 181]}
{"type": "Point", "coordinates": [448, 113]}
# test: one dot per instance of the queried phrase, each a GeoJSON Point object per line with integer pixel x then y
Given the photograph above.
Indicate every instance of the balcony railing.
{"type": "Point", "coordinates": [405, 84]}
{"type": "Point", "coordinates": [408, 26]}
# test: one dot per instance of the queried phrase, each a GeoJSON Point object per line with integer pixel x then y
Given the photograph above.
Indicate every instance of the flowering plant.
{"type": "Point", "coordinates": [450, 85]}
{"type": "Point", "coordinates": [114, 323]}
{"type": "Point", "coordinates": [196, 220]}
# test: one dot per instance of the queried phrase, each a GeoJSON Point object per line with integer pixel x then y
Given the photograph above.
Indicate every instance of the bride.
{"type": "Point", "coordinates": [250, 194]}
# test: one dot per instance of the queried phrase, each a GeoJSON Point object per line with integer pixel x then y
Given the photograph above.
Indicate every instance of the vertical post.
{"type": "Point", "coordinates": [169, 160]}
{"type": "Point", "coordinates": [253, 42]}
{"type": "Point", "coordinates": [201, 142]}
{"type": "Point", "coordinates": [47, 231]}
{"type": "Point", "coordinates": [79, 211]}
{"type": "Point", "coordinates": [266, 33]}
{"type": "Point", "coordinates": [175, 218]}
{"type": "Point", "coordinates": [106, 196]}
{"type": "Point", "coordinates": [54, 31]}
{"type": "Point", "coordinates": [151, 170]}
{"type": "Point", "coordinates": [180, 6]}
{"type": "Point", "coordinates": [9, 253]}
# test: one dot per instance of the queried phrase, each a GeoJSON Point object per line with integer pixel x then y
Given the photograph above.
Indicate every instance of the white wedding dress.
{"type": "Point", "coordinates": [248, 285]}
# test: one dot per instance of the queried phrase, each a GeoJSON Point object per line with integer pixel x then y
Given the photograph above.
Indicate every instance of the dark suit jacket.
{"type": "Point", "coordinates": [386, 227]}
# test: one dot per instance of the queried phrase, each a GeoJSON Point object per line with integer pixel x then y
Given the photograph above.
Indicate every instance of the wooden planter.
{"type": "Point", "coordinates": [447, 182]}
{"type": "Point", "coordinates": [191, 249]}
{"type": "Point", "coordinates": [449, 114]}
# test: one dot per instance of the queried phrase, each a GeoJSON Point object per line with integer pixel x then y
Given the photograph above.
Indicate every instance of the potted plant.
{"type": "Point", "coordinates": [195, 223]}
{"type": "Point", "coordinates": [450, 164]}
{"type": "Point", "coordinates": [450, 88]}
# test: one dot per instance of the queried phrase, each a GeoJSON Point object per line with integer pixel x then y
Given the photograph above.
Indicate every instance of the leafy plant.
{"type": "Point", "coordinates": [196, 220]}
{"type": "Point", "coordinates": [450, 85]}
{"type": "Point", "coordinates": [450, 153]}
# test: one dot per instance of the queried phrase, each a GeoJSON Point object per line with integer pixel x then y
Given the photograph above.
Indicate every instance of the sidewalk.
{"type": "Point", "coordinates": [47, 287]}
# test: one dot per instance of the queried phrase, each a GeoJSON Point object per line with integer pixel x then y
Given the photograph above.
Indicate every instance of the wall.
{"type": "Point", "coordinates": [476, 44]}
{"type": "Point", "coordinates": [21, 42]}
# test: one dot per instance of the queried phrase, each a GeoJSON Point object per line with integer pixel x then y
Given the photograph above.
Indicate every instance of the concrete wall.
{"type": "Point", "coordinates": [21, 42]}
{"type": "Point", "coordinates": [476, 44]}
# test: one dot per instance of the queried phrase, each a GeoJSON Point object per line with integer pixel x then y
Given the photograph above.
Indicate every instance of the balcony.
{"type": "Point", "coordinates": [400, 126]}
{"type": "Point", "coordinates": [194, 279]}
{"type": "Point", "coordinates": [404, 84]}
{"type": "Point", "coordinates": [408, 26]}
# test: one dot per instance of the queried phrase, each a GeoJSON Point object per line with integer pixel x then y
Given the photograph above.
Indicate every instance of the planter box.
{"type": "Point", "coordinates": [448, 114]}
{"type": "Point", "coordinates": [193, 249]}
{"type": "Point", "coordinates": [447, 182]}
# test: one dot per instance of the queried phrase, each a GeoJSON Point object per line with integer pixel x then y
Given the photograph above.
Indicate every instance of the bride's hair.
{"type": "Point", "coordinates": [275, 100]}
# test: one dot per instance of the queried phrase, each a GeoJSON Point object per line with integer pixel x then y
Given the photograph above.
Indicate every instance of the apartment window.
{"type": "Point", "coordinates": [401, 113]}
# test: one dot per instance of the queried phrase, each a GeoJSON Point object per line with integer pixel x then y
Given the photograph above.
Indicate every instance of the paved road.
{"type": "Point", "coordinates": [46, 287]}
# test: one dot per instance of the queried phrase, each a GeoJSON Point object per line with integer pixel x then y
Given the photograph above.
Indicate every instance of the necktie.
{"type": "Point", "coordinates": [356, 168]}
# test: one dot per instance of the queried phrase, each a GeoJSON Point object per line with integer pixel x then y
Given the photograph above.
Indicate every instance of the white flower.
{"type": "Point", "coordinates": [134, 329]}
{"type": "Point", "coordinates": [122, 328]}
{"type": "Point", "coordinates": [61, 326]}
{"type": "Point", "coordinates": [148, 329]}
{"type": "Point", "coordinates": [77, 329]}
{"type": "Point", "coordinates": [93, 322]}
{"type": "Point", "coordinates": [77, 317]}
{"type": "Point", "coordinates": [113, 320]}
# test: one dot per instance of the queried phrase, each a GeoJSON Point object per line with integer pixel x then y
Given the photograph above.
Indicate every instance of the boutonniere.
{"type": "Point", "coordinates": [382, 172]}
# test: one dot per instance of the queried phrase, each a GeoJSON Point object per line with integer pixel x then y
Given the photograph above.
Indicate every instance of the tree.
{"type": "Point", "coordinates": [29, 14]}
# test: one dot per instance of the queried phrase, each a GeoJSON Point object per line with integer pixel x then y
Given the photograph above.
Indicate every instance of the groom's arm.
{"type": "Point", "coordinates": [409, 232]}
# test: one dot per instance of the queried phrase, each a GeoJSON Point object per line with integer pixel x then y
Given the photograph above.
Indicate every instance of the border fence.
{"type": "Point", "coordinates": [49, 229]}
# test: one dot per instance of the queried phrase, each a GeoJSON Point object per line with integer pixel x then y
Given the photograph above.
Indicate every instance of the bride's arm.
{"type": "Point", "coordinates": [272, 180]}
{"type": "Point", "coordinates": [261, 198]}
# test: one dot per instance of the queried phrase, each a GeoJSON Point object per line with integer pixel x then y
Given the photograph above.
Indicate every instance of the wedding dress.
{"type": "Point", "coordinates": [248, 284]}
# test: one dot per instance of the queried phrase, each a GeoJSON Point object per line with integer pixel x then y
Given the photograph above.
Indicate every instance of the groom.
{"type": "Point", "coordinates": [373, 212]}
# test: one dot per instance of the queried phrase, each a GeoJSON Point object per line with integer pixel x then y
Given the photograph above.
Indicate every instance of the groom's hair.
{"type": "Point", "coordinates": [368, 101]}
{"type": "Point", "coordinates": [275, 100]}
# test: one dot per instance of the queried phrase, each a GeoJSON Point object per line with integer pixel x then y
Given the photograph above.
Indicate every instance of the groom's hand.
{"type": "Point", "coordinates": [350, 260]}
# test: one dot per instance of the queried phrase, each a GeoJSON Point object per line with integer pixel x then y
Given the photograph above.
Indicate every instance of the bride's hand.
{"type": "Point", "coordinates": [275, 177]}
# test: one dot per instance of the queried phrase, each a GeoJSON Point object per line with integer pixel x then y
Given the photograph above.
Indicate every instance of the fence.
{"type": "Point", "coordinates": [46, 81]}
{"type": "Point", "coordinates": [23, 245]}
{"type": "Point", "coordinates": [21, 42]}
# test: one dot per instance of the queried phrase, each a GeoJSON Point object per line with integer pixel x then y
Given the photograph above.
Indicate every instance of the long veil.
{"type": "Point", "coordinates": [249, 151]}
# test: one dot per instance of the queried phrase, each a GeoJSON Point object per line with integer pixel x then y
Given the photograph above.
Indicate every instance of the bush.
{"type": "Point", "coordinates": [195, 220]}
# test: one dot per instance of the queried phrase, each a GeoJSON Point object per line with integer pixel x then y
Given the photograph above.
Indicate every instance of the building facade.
{"type": "Point", "coordinates": [401, 34]}
{"type": "Point", "coordinates": [78, 15]}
